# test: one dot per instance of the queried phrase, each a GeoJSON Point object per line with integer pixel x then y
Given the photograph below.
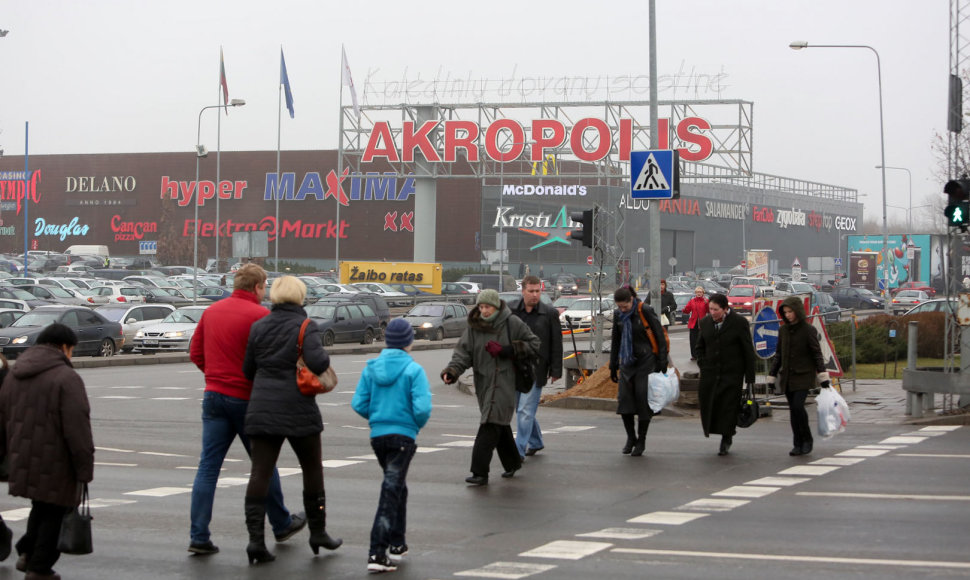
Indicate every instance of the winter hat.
{"type": "Point", "coordinates": [398, 334]}
{"type": "Point", "coordinates": [489, 296]}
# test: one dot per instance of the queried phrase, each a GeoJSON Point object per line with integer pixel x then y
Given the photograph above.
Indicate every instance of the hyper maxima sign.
{"type": "Point", "coordinates": [590, 139]}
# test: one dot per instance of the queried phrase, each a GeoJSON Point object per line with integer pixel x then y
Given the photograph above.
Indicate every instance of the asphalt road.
{"type": "Point", "coordinates": [878, 501]}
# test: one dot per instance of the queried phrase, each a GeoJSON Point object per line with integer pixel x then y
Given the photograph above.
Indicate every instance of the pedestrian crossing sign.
{"type": "Point", "coordinates": [654, 174]}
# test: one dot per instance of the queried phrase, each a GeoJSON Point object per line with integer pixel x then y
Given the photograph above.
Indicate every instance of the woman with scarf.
{"type": "Point", "coordinates": [632, 359]}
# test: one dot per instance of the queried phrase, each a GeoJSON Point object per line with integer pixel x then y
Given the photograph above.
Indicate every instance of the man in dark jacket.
{"type": "Point", "coordinates": [218, 349]}
{"type": "Point", "coordinates": [725, 356]}
{"type": "Point", "coordinates": [45, 431]}
{"type": "Point", "coordinates": [543, 321]}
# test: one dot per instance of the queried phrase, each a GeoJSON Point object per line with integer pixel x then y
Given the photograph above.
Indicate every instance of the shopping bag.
{"type": "Point", "coordinates": [75, 536]}
{"type": "Point", "coordinates": [662, 389]}
{"type": "Point", "coordinates": [833, 412]}
{"type": "Point", "coordinates": [748, 411]}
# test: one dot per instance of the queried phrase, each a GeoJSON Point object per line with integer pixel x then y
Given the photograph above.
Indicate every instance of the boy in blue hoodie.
{"type": "Point", "coordinates": [393, 394]}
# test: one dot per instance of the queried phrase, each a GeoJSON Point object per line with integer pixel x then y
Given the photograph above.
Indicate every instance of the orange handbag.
{"type": "Point", "coordinates": [309, 383]}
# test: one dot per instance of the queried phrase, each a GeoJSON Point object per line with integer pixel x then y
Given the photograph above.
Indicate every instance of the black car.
{"type": "Point", "coordinates": [456, 290]}
{"type": "Point", "coordinates": [861, 298]}
{"type": "Point", "coordinates": [375, 301]}
{"type": "Point", "coordinates": [565, 284]}
{"type": "Point", "coordinates": [827, 308]}
{"type": "Point", "coordinates": [345, 322]}
{"type": "Point", "coordinates": [438, 320]}
{"type": "Point", "coordinates": [96, 335]}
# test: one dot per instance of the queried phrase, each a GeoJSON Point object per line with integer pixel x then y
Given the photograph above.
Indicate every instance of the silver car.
{"type": "Point", "coordinates": [174, 332]}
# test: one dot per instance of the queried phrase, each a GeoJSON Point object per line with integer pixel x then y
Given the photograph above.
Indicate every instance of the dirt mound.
{"type": "Point", "coordinates": [597, 385]}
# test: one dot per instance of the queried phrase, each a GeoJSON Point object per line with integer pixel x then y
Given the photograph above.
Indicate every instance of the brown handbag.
{"type": "Point", "coordinates": [309, 383]}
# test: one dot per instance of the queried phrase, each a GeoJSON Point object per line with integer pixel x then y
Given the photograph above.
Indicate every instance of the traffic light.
{"type": "Point", "coordinates": [957, 210]}
{"type": "Point", "coordinates": [585, 233]}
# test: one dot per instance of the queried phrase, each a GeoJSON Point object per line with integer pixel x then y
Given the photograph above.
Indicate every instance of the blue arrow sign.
{"type": "Point", "coordinates": [654, 174]}
{"type": "Point", "coordinates": [766, 325]}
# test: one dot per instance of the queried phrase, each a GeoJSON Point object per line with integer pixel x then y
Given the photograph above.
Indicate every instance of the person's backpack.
{"type": "Point", "coordinates": [653, 339]}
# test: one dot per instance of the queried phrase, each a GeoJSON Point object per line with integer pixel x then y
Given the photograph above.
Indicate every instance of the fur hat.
{"type": "Point", "coordinates": [398, 334]}
{"type": "Point", "coordinates": [489, 296]}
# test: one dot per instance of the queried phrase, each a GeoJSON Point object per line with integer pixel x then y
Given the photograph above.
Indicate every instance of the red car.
{"type": "Point", "coordinates": [741, 298]}
{"type": "Point", "coordinates": [913, 285]}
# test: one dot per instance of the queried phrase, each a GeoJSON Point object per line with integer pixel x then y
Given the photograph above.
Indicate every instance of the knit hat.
{"type": "Point", "coordinates": [398, 334]}
{"type": "Point", "coordinates": [489, 296]}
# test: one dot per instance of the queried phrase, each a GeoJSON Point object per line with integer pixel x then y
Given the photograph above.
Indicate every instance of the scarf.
{"type": "Point", "coordinates": [626, 335]}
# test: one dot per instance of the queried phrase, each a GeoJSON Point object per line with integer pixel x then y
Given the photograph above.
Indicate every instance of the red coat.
{"type": "Point", "coordinates": [697, 308]}
{"type": "Point", "coordinates": [219, 343]}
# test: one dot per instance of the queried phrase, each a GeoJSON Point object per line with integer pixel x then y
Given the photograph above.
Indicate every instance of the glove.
{"type": "Point", "coordinates": [448, 376]}
{"type": "Point", "coordinates": [826, 384]}
{"type": "Point", "coordinates": [613, 376]}
{"type": "Point", "coordinates": [507, 351]}
{"type": "Point", "coordinates": [661, 367]}
{"type": "Point", "coordinates": [493, 348]}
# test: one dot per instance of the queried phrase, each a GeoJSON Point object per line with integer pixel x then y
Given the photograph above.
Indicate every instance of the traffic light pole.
{"type": "Point", "coordinates": [655, 266]}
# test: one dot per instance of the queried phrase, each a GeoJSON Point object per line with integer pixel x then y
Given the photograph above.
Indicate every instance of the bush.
{"type": "Point", "coordinates": [873, 344]}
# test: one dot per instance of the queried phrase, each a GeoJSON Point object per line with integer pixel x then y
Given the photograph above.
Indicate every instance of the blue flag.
{"type": "Point", "coordinates": [285, 81]}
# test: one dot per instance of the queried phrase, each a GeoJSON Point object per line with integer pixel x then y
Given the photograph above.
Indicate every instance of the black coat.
{"type": "Point", "coordinates": [726, 360]}
{"type": "Point", "coordinates": [642, 348]}
{"type": "Point", "coordinates": [799, 355]}
{"type": "Point", "coordinates": [276, 406]}
{"type": "Point", "coordinates": [543, 321]}
{"type": "Point", "coordinates": [668, 305]}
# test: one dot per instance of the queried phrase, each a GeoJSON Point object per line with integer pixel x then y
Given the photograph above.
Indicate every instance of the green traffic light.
{"type": "Point", "coordinates": [957, 215]}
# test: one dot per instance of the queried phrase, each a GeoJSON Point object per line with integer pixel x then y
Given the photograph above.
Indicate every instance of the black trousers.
{"type": "Point", "coordinates": [800, 429]}
{"type": "Point", "coordinates": [694, 333]}
{"type": "Point", "coordinates": [491, 437]}
{"type": "Point", "coordinates": [39, 542]}
{"type": "Point", "coordinates": [265, 453]}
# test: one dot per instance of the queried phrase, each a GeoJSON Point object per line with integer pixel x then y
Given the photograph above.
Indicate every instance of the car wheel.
{"type": "Point", "coordinates": [368, 337]}
{"type": "Point", "coordinates": [107, 348]}
{"type": "Point", "coordinates": [439, 334]}
{"type": "Point", "coordinates": [143, 351]}
{"type": "Point", "coordinates": [328, 338]}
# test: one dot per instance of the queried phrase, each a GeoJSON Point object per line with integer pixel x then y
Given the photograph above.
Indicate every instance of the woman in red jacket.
{"type": "Point", "coordinates": [697, 308]}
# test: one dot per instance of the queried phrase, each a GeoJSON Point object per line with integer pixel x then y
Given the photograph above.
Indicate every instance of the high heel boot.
{"type": "Point", "coordinates": [315, 505]}
{"type": "Point", "coordinates": [256, 523]}
{"type": "Point", "coordinates": [631, 437]}
{"type": "Point", "coordinates": [641, 443]}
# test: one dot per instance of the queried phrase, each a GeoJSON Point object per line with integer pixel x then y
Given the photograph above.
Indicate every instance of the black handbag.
{"type": "Point", "coordinates": [75, 537]}
{"type": "Point", "coordinates": [747, 408]}
{"type": "Point", "coordinates": [525, 375]}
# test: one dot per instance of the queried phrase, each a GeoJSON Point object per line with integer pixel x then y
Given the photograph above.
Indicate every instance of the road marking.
{"type": "Point", "coordinates": [809, 470]}
{"type": "Point", "coordinates": [160, 491]}
{"type": "Point", "coordinates": [339, 463]}
{"type": "Point", "coordinates": [782, 481]}
{"type": "Point", "coordinates": [114, 449]}
{"type": "Point", "coordinates": [288, 471]}
{"type": "Point", "coordinates": [172, 388]}
{"type": "Point", "coordinates": [332, 404]}
{"type": "Point", "coordinates": [899, 440]}
{"type": "Point", "coordinates": [714, 505]}
{"type": "Point", "coordinates": [666, 518]}
{"type": "Point", "coordinates": [464, 443]}
{"type": "Point", "coordinates": [794, 558]}
{"type": "Point", "coordinates": [746, 491]}
{"type": "Point", "coordinates": [862, 453]}
{"type": "Point", "coordinates": [507, 570]}
{"type": "Point", "coordinates": [224, 482]}
{"type": "Point", "coordinates": [566, 550]}
{"type": "Point", "coordinates": [368, 457]}
{"type": "Point", "coordinates": [16, 515]}
{"type": "Point", "coordinates": [887, 496]}
{"type": "Point", "coordinates": [161, 454]}
{"type": "Point", "coordinates": [102, 464]}
{"type": "Point", "coordinates": [842, 461]}
{"type": "Point", "coordinates": [570, 429]}
{"type": "Point", "coordinates": [117, 397]}
{"type": "Point", "coordinates": [460, 436]}
{"type": "Point", "coordinates": [886, 447]}
{"type": "Point", "coordinates": [129, 387]}
{"type": "Point", "coordinates": [169, 399]}
{"type": "Point", "coordinates": [101, 502]}
{"type": "Point", "coordinates": [346, 392]}
{"type": "Point", "coordinates": [429, 449]}
{"type": "Point", "coordinates": [934, 455]}
{"type": "Point", "coordinates": [621, 533]}
{"type": "Point", "coordinates": [354, 427]}
{"type": "Point", "coordinates": [922, 433]}
{"type": "Point", "coordinates": [941, 428]}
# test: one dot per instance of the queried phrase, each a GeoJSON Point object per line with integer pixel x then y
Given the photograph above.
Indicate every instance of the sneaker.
{"type": "Point", "coordinates": [378, 564]}
{"type": "Point", "coordinates": [204, 548]}
{"type": "Point", "coordinates": [396, 553]}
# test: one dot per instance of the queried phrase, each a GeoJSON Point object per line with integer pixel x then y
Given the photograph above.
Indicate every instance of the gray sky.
{"type": "Point", "coordinates": [107, 76]}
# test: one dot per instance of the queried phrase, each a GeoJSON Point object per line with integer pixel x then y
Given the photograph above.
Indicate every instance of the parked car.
{"type": "Point", "coordinates": [827, 307]}
{"type": "Point", "coordinates": [376, 303]}
{"type": "Point", "coordinates": [913, 285]}
{"type": "Point", "coordinates": [155, 281]}
{"type": "Point", "coordinates": [213, 293]}
{"type": "Point", "coordinates": [392, 296]}
{"type": "Point", "coordinates": [174, 332]}
{"type": "Point", "coordinates": [710, 287]}
{"type": "Point", "coordinates": [681, 298]}
{"type": "Point", "coordinates": [96, 335]}
{"type": "Point", "coordinates": [473, 287]}
{"type": "Point", "coordinates": [345, 322]}
{"type": "Point", "coordinates": [563, 303]}
{"type": "Point", "coordinates": [116, 293]}
{"type": "Point", "coordinates": [9, 315]}
{"type": "Point", "coordinates": [15, 293]}
{"type": "Point", "coordinates": [906, 299]}
{"type": "Point", "coordinates": [490, 281]}
{"type": "Point", "coordinates": [410, 290]}
{"type": "Point", "coordinates": [566, 284]}
{"type": "Point", "coordinates": [174, 296]}
{"type": "Point", "coordinates": [54, 294]}
{"type": "Point", "coordinates": [765, 288]}
{"type": "Point", "coordinates": [935, 305]}
{"type": "Point", "coordinates": [438, 320]}
{"type": "Point", "coordinates": [785, 288]}
{"type": "Point", "coordinates": [459, 291]}
{"type": "Point", "coordinates": [92, 296]}
{"type": "Point", "coordinates": [14, 304]}
{"type": "Point", "coordinates": [741, 297]}
{"type": "Point", "coordinates": [134, 317]}
{"type": "Point", "coordinates": [862, 298]}
{"type": "Point", "coordinates": [580, 312]}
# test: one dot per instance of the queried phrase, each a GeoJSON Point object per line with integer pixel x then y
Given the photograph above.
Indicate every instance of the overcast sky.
{"type": "Point", "coordinates": [106, 76]}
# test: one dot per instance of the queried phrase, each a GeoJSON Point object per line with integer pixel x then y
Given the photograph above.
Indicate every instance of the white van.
{"type": "Point", "coordinates": [88, 250]}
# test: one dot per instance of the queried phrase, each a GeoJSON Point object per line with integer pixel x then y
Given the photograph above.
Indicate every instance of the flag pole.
{"type": "Point", "coordinates": [340, 159]}
{"type": "Point", "coordinates": [27, 191]}
{"type": "Point", "coordinates": [218, 152]}
{"type": "Point", "coordinates": [279, 122]}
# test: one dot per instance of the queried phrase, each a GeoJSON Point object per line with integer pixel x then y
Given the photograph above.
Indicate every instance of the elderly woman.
{"type": "Point", "coordinates": [490, 343]}
{"type": "Point", "coordinates": [277, 411]}
{"type": "Point", "coordinates": [697, 308]}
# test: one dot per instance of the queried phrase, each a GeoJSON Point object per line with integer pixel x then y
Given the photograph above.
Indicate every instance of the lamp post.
{"type": "Point", "coordinates": [501, 224]}
{"type": "Point", "coordinates": [200, 152]}
{"type": "Point", "coordinates": [910, 173]}
{"type": "Point", "coordinates": [800, 44]}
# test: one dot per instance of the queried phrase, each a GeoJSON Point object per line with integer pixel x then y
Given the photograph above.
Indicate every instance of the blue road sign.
{"type": "Point", "coordinates": [653, 174]}
{"type": "Point", "coordinates": [766, 325]}
{"type": "Point", "coordinates": [838, 261]}
{"type": "Point", "coordinates": [147, 247]}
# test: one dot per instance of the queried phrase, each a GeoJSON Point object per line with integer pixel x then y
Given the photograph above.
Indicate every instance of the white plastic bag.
{"type": "Point", "coordinates": [833, 412]}
{"type": "Point", "coordinates": [662, 389]}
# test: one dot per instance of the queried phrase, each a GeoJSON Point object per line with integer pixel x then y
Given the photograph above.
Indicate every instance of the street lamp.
{"type": "Point", "coordinates": [800, 44]}
{"type": "Point", "coordinates": [200, 152]}
{"type": "Point", "coordinates": [910, 173]}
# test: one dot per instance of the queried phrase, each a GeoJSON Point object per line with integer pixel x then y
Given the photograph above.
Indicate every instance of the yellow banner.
{"type": "Point", "coordinates": [425, 276]}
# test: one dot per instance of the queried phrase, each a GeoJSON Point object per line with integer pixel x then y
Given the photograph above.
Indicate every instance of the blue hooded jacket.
{"type": "Point", "coordinates": [393, 394]}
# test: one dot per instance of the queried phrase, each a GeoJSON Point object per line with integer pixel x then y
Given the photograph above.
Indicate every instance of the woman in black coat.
{"type": "Point", "coordinates": [277, 411]}
{"type": "Point", "coordinates": [668, 304]}
{"type": "Point", "coordinates": [725, 356]}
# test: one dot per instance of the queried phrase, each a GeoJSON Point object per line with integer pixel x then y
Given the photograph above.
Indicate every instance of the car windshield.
{"type": "Point", "coordinates": [59, 292]}
{"type": "Point", "coordinates": [35, 318]}
{"type": "Point", "coordinates": [190, 315]}
{"type": "Point", "coordinates": [800, 287]}
{"type": "Point", "coordinates": [112, 314]}
{"type": "Point", "coordinates": [427, 310]}
{"type": "Point", "coordinates": [742, 291]}
{"type": "Point", "coordinates": [21, 294]}
{"type": "Point", "coordinates": [565, 301]}
{"type": "Point", "coordinates": [320, 310]}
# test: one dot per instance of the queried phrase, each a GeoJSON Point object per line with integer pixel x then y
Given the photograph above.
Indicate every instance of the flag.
{"type": "Point", "coordinates": [285, 81]}
{"type": "Point", "coordinates": [222, 80]}
{"type": "Point", "coordinates": [348, 80]}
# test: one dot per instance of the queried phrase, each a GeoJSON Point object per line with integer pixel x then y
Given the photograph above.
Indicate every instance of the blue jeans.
{"type": "Point", "coordinates": [394, 453]}
{"type": "Point", "coordinates": [223, 418]}
{"type": "Point", "coordinates": [527, 432]}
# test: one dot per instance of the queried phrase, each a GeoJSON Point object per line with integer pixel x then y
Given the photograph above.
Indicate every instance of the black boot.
{"type": "Point", "coordinates": [6, 537]}
{"type": "Point", "coordinates": [256, 524]}
{"type": "Point", "coordinates": [726, 441]}
{"type": "Point", "coordinates": [641, 443]}
{"type": "Point", "coordinates": [315, 505]}
{"type": "Point", "coordinates": [631, 437]}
